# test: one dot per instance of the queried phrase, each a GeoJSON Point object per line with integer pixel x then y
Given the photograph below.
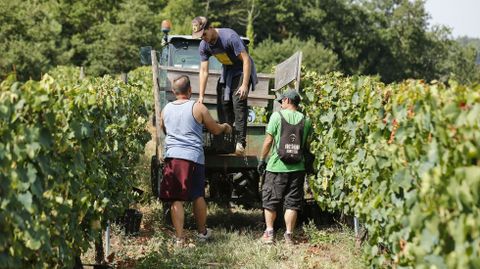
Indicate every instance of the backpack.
{"type": "Point", "coordinates": [290, 145]}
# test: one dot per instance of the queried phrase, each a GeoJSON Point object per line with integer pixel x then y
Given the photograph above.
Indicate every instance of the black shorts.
{"type": "Point", "coordinates": [286, 187]}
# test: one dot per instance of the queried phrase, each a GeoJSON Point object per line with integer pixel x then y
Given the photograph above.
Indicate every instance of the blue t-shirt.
{"type": "Point", "coordinates": [228, 47]}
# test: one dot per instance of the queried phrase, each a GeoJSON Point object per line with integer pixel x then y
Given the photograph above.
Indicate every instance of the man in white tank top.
{"type": "Point", "coordinates": [182, 122]}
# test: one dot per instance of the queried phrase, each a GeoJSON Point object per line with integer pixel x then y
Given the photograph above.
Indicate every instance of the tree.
{"type": "Point", "coordinates": [82, 28]}
{"type": "Point", "coordinates": [461, 65]}
{"type": "Point", "coordinates": [117, 47]}
{"type": "Point", "coordinates": [102, 35]}
{"type": "Point", "coordinates": [471, 42]}
{"type": "Point", "coordinates": [315, 57]}
{"type": "Point", "coordinates": [29, 33]}
{"type": "Point", "coordinates": [252, 14]}
{"type": "Point", "coordinates": [181, 13]}
{"type": "Point", "coordinates": [389, 38]}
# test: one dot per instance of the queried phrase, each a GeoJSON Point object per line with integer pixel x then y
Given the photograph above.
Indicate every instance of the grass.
{"type": "Point", "coordinates": [235, 244]}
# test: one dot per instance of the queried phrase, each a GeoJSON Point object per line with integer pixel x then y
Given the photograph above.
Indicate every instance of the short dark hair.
{"type": "Point", "coordinates": [208, 24]}
{"type": "Point", "coordinates": [181, 84]}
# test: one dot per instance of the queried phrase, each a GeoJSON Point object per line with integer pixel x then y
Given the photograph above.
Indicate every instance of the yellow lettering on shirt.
{"type": "Point", "coordinates": [223, 58]}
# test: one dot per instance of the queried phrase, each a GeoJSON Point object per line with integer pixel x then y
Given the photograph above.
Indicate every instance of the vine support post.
{"type": "Point", "coordinates": [107, 239]}
{"type": "Point", "coordinates": [82, 73]}
{"type": "Point", "coordinates": [356, 226]}
{"type": "Point", "coordinates": [124, 77]}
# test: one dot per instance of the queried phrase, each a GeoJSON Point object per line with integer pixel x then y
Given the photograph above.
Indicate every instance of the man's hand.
{"type": "Point", "coordinates": [200, 100]}
{"type": "Point", "coordinates": [242, 92]}
{"type": "Point", "coordinates": [227, 129]}
{"type": "Point", "coordinates": [262, 165]}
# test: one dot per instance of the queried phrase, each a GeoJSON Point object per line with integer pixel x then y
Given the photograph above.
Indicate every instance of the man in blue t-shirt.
{"type": "Point", "coordinates": [238, 75]}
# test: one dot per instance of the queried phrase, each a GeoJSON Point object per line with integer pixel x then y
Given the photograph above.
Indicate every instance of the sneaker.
{"type": "Point", "coordinates": [239, 150]}
{"type": "Point", "coordinates": [288, 238]}
{"type": "Point", "coordinates": [268, 237]}
{"type": "Point", "coordinates": [179, 242]}
{"type": "Point", "coordinates": [205, 236]}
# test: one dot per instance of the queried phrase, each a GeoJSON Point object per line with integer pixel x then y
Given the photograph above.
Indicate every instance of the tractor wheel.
{"type": "Point", "coordinates": [247, 190]}
{"type": "Point", "coordinates": [220, 187]}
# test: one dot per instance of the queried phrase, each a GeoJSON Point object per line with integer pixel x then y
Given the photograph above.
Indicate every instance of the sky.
{"type": "Point", "coordinates": [462, 16]}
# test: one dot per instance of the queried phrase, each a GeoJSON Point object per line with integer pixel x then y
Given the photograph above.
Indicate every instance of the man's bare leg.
{"type": "Point", "coordinates": [290, 219]}
{"type": "Point", "coordinates": [200, 213]}
{"type": "Point", "coordinates": [270, 216]}
{"type": "Point", "coordinates": [178, 218]}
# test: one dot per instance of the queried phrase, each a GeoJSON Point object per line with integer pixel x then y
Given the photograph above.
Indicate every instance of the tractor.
{"type": "Point", "coordinates": [229, 178]}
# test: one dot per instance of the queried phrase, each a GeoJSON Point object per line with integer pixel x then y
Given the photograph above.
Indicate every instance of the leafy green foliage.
{"type": "Point", "coordinates": [67, 149]}
{"type": "Point", "coordinates": [315, 57]}
{"type": "Point", "coordinates": [103, 36]}
{"type": "Point", "coordinates": [30, 38]}
{"type": "Point", "coordinates": [471, 43]}
{"type": "Point", "coordinates": [405, 159]}
{"type": "Point", "coordinates": [465, 61]}
{"type": "Point", "coordinates": [181, 14]}
{"type": "Point", "coordinates": [391, 38]}
{"type": "Point", "coordinates": [141, 78]}
{"type": "Point", "coordinates": [111, 42]}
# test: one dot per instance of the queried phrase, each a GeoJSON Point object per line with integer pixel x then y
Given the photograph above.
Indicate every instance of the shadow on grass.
{"type": "Point", "coordinates": [239, 219]}
{"type": "Point", "coordinates": [202, 255]}
{"type": "Point", "coordinates": [231, 219]}
{"type": "Point", "coordinates": [157, 260]}
{"type": "Point", "coordinates": [235, 243]}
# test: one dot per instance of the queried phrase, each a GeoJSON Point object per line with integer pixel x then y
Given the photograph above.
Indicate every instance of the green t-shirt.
{"type": "Point", "coordinates": [293, 117]}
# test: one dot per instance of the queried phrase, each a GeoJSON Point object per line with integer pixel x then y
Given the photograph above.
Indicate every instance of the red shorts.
{"type": "Point", "coordinates": [182, 180]}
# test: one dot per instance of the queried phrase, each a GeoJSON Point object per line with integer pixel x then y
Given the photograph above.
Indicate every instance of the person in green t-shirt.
{"type": "Point", "coordinates": [283, 180]}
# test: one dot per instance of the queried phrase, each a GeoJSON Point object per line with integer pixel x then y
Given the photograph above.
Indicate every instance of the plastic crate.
{"type": "Point", "coordinates": [219, 144]}
{"type": "Point", "coordinates": [130, 221]}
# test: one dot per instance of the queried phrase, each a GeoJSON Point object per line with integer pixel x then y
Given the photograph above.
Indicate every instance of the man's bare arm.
{"type": "Point", "coordinates": [267, 144]}
{"type": "Point", "coordinates": [247, 69]}
{"type": "Point", "coordinates": [209, 123]}
{"type": "Point", "coordinates": [203, 75]}
{"type": "Point", "coordinates": [162, 125]}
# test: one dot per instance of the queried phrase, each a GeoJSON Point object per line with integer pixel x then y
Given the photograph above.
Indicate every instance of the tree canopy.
{"type": "Point", "coordinates": [391, 38]}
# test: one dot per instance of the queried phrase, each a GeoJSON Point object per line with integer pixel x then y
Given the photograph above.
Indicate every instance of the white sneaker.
{"type": "Point", "coordinates": [204, 237]}
{"type": "Point", "coordinates": [179, 242]}
{"type": "Point", "coordinates": [239, 150]}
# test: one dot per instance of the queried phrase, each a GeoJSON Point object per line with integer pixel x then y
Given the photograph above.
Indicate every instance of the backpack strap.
{"type": "Point", "coordinates": [283, 119]}
{"type": "Point", "coordinates": [302, 121]}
